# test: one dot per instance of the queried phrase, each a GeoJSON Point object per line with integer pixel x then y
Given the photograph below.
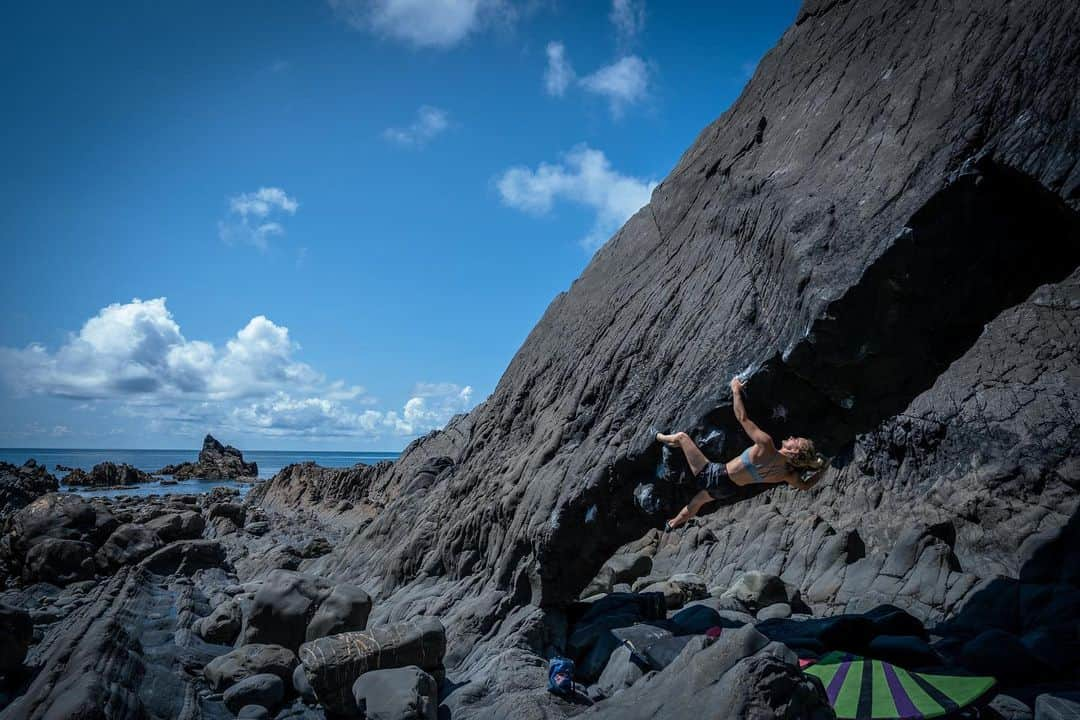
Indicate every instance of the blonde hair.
{"type": "Point", "coordinates": [808, 458]}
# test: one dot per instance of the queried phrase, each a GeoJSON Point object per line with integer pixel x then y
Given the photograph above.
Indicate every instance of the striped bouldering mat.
{"type": "Point", "coordinates": [864, 689]}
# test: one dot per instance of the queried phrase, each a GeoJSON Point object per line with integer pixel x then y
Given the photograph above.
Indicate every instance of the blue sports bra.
{"type": "Point", "coordinates": [758, 476]}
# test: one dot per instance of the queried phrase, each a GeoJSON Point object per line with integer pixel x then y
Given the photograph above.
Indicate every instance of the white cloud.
{"type": "Point", "coordinates": [623, 83]}
{"type": "Point", "coordinates": [135, 354]}
{"type": "Point", "coordinates": [423, 23]}
{"type": "Point", "coordinates": [262, 202]}
{"type": "Point", "coordinates": [430, 122]}
{"type": "Point", "coordinates": [628, 17]}
{"type": "Point", "coordinates": [248, 220]}
{"type": "Point", "coordinates": [559, 73]}
{"type": "Point", "coordinates": [585, 177]}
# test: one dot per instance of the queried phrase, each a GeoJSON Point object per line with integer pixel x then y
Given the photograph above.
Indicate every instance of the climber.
{"type": "Point", "coordinates": [761, 463]}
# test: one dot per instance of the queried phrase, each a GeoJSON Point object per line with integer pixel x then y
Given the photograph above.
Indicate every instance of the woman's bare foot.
{"type": "Point", "coordinates": [672, 441]}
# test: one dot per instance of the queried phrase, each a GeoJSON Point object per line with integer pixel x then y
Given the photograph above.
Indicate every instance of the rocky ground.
{"type": "Point", "coordinates": [207, 606]}
{"type": "Point", "coordinates": [883, 233]}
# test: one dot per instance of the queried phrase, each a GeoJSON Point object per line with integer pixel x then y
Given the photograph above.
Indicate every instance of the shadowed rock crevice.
{"type": "Point", "coordinates": [981, 245]}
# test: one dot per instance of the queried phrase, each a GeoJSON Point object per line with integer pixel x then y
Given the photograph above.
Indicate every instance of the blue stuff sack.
{"type": "Point", "coordinates": [561, 676]}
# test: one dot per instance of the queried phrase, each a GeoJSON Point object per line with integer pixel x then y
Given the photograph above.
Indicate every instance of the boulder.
{"type": "Point", "coordinates": [59, 562]}
{"type": "Point", "coordinates": [756, 590]}
{"type": "Point", "coordinates": [406, 693]}
{"type": "Point", "coordinates": [184, 525]}
{"type": "Point", "coordinates": [184, 557]}
{"type": "Point", "coordinates": [291, 608]}
{"type": "Point", "coordinates": [619, 569]}
{"type": "Point", "coordinates": [253, 712]}
{"type": "Point", "coordinates": [224, 671]}
{"type": "Point", "coordinates": [621, 671]}
{"type": "Point", "coordinates": [1010, 708]}
{"type": "Point", "coordinates": [265, 689]}
{"type": "Point", "coordinates": [233, 511]}
{"type": "Point", "coordinates": [59, 516]}
{"type": "Point", "coordinates": [679, 589]}
{"type": "Point", "coordinates": [16, 632]}
{"type": "Point", "coordinates": [128, 544]}
{"type": "Point", "coordinates": [222, 625]}
{"type": "Point", "coordinates": [20, 485]}
{"type": "Point", "coordinates": [316, 547]}
{"type": "Point", "coordinates": [1057, 706]}
{"type": "Point", "coordinates": [302, 686]}
{"type": "Point", "coordinates": [332, 664]}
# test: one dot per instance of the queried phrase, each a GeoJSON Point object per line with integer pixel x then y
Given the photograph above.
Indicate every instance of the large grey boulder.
{"type": "Point", "coordinates": [59, 562]}
{"type": "Point", "coordinates": [184, 525]}
{"type": "Point", "coordinates": [757, 590]}
{"type": "Point", "coordinates": [224, 671]}
{"type": "Point", "coordinates": [222, 625]}
{"type": "Point", "coordinates": [332, 664]}
{"type": "Point", "coordinates": [127, 545]}
{"type": "Point", "coordinates": [57, 516]}
{"type": "Point", "coordinates": [185, 557]}
{"type": "Point", "coordinates": [406, 693]}
{"type": "Point", "coordinates": [291, 608]}
{"type": "Point", "coordinates": [620, 672]}
{"type": "Point", "coordinates": [265, 689]}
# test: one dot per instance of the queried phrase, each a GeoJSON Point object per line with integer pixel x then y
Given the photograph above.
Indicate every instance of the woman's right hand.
{"type": "Point", "coordinates": [736, 384]}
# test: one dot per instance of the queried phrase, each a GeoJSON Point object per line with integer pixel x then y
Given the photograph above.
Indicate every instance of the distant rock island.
{"type": "Point", "coordinates": [216, 462]}
{"type": "Point", "coordinates": [107, 474]}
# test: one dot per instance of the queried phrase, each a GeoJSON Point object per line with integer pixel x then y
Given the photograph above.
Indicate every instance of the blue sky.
{"type": "Point", "coordinates": [321, 225]}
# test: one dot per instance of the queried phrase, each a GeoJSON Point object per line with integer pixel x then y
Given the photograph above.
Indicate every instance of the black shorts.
{"type": "Point", "coordinates": [714, 479]}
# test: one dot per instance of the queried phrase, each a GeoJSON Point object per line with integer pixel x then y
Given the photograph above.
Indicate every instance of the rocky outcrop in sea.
{"type": "Point", "coordinates": [107, 475]}
{"type": "Point", "coordinates": [216, 462]}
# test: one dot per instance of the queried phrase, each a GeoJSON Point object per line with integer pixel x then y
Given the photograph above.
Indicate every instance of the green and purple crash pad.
{"type": "Point", "coordinates": [864, 689]}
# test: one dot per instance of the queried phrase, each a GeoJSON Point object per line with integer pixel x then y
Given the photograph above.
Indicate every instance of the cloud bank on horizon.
{"type": "Point", "coordinates": [135, 355]}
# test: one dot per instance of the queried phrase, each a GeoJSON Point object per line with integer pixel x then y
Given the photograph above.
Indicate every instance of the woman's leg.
{"type": "Point", "coordinates": [694, 456]}
{"type": "Point", "coordinates": [693, 508]}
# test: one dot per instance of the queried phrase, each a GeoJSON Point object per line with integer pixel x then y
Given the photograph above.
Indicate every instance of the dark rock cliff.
{"type": "Point", "coordinates": [883, 231]}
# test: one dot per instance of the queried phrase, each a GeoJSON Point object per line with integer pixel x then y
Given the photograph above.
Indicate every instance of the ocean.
{"type": "Point", "coordinates": [270, 462]}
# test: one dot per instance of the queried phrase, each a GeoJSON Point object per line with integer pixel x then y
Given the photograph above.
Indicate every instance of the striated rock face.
{"type": "Point", "coordinates": [883, 235]}
{"type": "Point", "coordinates": [216, 462]}
{"type": "Point", "coordinates": [19, 486]}
{"type": "Point", "coordinates": [883, 232]}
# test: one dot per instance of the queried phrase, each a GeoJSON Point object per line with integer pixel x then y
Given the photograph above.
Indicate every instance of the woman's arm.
{"type": "Point", "coordinates": [759, 436]}
{"type": "Point", "coordinates": [799, 484]}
